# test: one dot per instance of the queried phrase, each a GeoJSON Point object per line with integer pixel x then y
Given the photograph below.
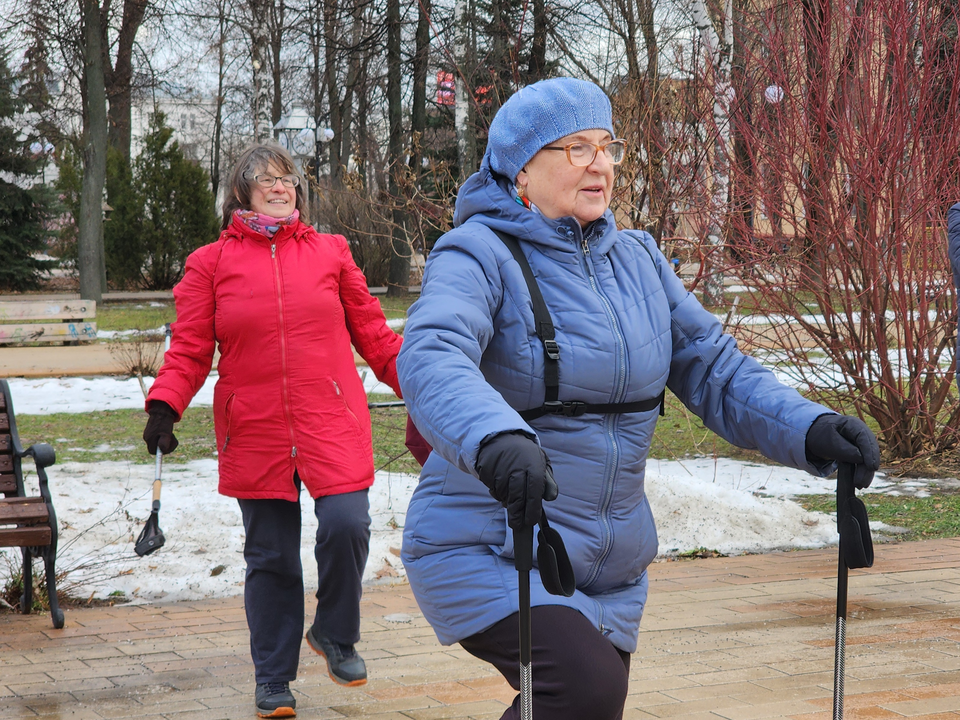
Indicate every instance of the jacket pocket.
{"type": "Point", "coordinates": [228, 414]}
{"type": "Point", "coordinates": [346, 406]}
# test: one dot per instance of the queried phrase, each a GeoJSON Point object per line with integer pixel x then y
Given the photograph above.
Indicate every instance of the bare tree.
{"type": "Point", "coordinates": [90, 222]}
{"type": "Point", "coordinates": [118, 76]}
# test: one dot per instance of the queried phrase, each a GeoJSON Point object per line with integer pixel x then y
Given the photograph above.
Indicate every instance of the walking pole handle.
{"type": "Point", "coordinates": [156, 480]}
{"type": "Point", "coordinates": [523, 559]}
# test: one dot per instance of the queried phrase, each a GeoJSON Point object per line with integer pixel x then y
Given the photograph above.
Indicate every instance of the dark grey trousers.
{"type": "Point", "coordinates": [273, 592]}
{"type": "Point", "coordinates": [577, 673]}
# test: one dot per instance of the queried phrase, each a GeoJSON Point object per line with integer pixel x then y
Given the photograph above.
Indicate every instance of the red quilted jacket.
{"type": "Point", "coordinates": [284, 312]}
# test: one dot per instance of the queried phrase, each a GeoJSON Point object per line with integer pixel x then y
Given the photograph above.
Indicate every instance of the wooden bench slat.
{"type": "Point", "coordinates": [64, 310]}
{"type": "Point", "coordinates": [4, 422]}
{"type": "Point", "coordinates": [30, 513]}
{"type": "Point", "coordinates": [8, 483]}
{"type": "Point", "coordinates": [6, 463]}
{"type": "Point", "coordinates": [6, 443]}
{"type": "Point", "coordinates": [25, 537]}
{"type": "Point", "coordinates": [3, 401]}
{"type": "Point", "coordinates": [48, 332]}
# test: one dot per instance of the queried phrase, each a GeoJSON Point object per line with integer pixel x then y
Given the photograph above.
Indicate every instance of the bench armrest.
{"type": "Point", "coordinates": [43, 454]}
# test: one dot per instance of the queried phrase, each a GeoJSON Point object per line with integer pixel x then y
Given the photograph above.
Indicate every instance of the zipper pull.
{"type": "Point", "coordinates": [273, 251]}
{"type": "Point", "coordinates": [293, 453]}
{"type": "Point", "coordinates": [586, 246]}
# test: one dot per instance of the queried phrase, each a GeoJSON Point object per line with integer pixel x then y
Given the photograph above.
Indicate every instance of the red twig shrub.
{"type": "Point", "coordinates": [846, 181]}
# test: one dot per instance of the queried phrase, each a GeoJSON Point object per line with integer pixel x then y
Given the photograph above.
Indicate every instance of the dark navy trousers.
{"type": "Point", "coordinates": [274, 593]}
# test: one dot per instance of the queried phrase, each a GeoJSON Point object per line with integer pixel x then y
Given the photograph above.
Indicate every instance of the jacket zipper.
{"type": "Point", "coordinates": [343, 399]}
{"type": "Point", "coordinates": [229, 413]}
{"type": "Point", "coordinates": [285, 395]}
{"type": "Point", "coordinates": [609, 422]}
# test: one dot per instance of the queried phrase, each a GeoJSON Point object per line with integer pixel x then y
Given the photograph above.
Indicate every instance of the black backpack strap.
{"type": "Point", "coordinates": [574, 408]}
{"type": "Point", "coordinates": [542, 322]}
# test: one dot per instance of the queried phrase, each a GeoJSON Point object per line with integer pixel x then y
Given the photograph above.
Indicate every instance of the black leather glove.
{"type": "Point", "coordinates": [159, 430]}
{"type": "Point", "coordinates": [518, 474]}
{"type": "Point", "coordinates": [844, 439]}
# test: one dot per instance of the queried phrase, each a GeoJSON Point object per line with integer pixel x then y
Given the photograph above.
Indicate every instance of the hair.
{"type": "Point", "coordinates": [252, 161]}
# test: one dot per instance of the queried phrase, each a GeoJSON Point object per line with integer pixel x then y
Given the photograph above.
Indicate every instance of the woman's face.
{"type": "Point", "coordinates": [559, 189]}
{"type": "Point", "coordinates": [278, 201]}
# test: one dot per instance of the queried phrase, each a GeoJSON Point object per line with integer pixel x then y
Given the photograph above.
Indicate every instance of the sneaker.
{"type": "Point", "coordinates": [344, 665]}
{"type": "Point", "coordinates": [274, 700]}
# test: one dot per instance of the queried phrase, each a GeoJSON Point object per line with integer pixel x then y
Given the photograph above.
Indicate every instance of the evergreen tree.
{"type": "Point", "coordinates": [124, 249]}
{"type": "Point", "coordinates": [178, 206]}
{"type": "Point", "coordinates": [25, 207]}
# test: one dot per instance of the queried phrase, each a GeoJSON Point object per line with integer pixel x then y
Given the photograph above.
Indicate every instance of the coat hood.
{"type": "Point", "coordinates": [489, 198]}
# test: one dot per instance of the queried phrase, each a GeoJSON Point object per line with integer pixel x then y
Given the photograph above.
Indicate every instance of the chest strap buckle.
{"type": "Point", "coordinates": [568, 408]}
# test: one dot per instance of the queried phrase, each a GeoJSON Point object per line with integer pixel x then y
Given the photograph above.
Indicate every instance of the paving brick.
{"type": "Point", "coordinates": [737, 638]}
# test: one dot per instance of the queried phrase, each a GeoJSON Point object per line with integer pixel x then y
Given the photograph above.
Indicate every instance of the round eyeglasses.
{"type": "Point", "coordinates": [268, 181]}
{"type": "Point", "coordinates": [581, 154]}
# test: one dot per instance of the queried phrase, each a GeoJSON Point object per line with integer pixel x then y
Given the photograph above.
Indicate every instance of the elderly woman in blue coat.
{"type": "Point", "coordinates": [473, 367]}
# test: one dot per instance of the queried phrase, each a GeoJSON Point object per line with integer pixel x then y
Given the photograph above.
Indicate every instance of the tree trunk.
{"type": "Point", "coordinates": [537, 64]}
{"type": "Point", "coordinates": [331, 31]}
{"type": "Point", "coordinates": [119, 78]}
{"type": "Point", "coordinates": [741, 190]}
{"type": "Point", "coordinates": [466, 137]}
{"type": "Point", "coordinates": [655, 142]}
{"type": "Point", "coordinates": [418, 110]}
{"type": "Point", "coordinates": [276, 69]}
{"type": "Point", "coordinates": [398, 274]}
{"type": "Point", "coordinates": [259, 49]}
{"type": "Point", "coordinates": [218, 112]}
{"type": "Point", "coordinates": [90, 222]}
{"type": "Point", "coordinates": [719, 62]}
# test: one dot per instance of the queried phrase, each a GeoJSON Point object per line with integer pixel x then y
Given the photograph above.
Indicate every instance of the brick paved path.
{"type": "Point", "coordinates": [738, 638]}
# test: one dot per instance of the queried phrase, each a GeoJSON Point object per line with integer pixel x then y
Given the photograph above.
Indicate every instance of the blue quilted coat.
{"type": "Point", "coordinates": [953, 247]}
{"type": "Point", "coordinates": [626, 328]}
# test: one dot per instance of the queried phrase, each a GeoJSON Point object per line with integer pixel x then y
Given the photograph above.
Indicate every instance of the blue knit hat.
{"type": "Point", "coordinates": [540, 114]}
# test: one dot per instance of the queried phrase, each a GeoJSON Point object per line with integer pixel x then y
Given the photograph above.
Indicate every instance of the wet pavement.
{"type": "Point", "coordinates": [737, 638]}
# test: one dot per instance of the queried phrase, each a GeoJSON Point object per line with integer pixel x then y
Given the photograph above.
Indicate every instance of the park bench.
{"type": "Point", "coordinates": [35, 321]}
{"type": "Point", "coordinates": [26, 521]}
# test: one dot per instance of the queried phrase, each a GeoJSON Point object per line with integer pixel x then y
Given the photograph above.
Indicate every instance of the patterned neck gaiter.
{"type": "Point", "coordinates": [264, 224]}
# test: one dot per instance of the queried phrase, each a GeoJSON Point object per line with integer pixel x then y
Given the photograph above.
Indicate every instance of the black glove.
{"type": "Point", "coordinates": [159, 430]}
{"type": "Point", "coordinates": [518, 474]}
{"type": "Point", "coordinates": [845, 439]}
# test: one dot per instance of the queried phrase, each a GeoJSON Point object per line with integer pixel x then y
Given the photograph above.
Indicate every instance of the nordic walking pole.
{"type": "Point", "coordinates": [151, 538]}
{"type": "Point", "coordinates": [523, 559]}
{"type": "Point", "coordinates": [841, 634]}
{"type": "Point", "coordinates": [856, 551]}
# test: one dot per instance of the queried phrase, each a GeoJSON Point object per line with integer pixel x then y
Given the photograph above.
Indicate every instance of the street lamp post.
{"type": "Point", "coordinates": [298, 134]}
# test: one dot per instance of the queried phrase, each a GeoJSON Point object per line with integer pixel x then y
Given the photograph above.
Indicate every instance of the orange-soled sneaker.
{"type": "Point", "coordinates": [344, 664]}
{"type": "Point", "coordinates": [274, 700]}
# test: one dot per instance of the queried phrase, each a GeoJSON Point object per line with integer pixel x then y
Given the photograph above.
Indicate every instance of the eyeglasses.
{"type": "Point", "coordinates": [268, 181]}
{"type": "Point", "coordinates": [581, 154]}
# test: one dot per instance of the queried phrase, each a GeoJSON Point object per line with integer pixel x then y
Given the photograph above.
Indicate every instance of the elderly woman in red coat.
{"type": "Point", "coordinates": [283, 303]}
